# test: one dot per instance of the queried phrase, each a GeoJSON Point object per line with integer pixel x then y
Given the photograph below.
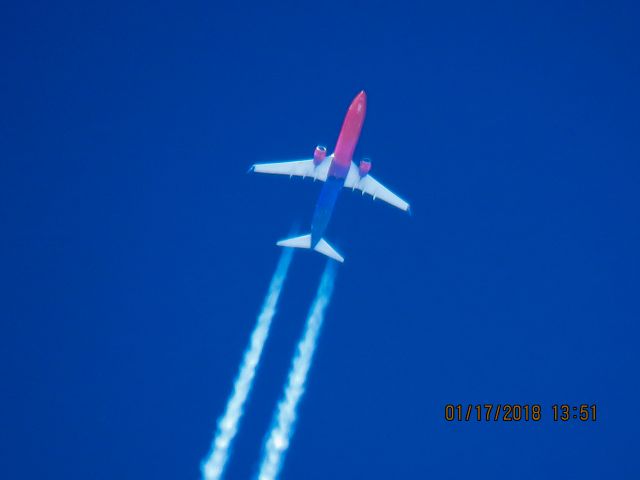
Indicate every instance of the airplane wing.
{"type": "Point", "coordinates": [370, 185]}
{"type": "Point", "coordinates": [299, 168]}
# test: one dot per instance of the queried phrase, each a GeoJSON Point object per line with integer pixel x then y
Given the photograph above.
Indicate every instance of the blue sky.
{"type": "Point", "coordinates": [135, 251]}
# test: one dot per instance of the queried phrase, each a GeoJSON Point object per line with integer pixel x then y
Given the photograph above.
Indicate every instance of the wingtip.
{"type": "Point", "coordinates": [251, 168]}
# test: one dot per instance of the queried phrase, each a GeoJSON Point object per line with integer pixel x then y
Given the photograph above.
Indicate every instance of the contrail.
{"type": "Point", "coordinates": [213, 465]}
{"type": "Point", "coordinates": [282, 426]}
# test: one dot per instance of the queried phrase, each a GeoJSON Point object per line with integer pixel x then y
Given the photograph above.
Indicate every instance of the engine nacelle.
{"type": "Point", "coordinates": [364, 167]}
{"type": "Point", "coordinates": [319, 154]}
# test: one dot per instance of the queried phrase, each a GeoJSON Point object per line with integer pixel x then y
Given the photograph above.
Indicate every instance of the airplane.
{"type": "Point", "coordinates": [337, 171]}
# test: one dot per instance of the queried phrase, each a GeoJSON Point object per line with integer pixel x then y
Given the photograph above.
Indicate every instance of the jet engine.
{"type": "Point", "coordinates": [319, 154]}
{"type": "Point", "coordinates": [364, 167]}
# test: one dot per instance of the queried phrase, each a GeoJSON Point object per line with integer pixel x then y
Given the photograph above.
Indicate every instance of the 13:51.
{"type": "Point", "coordinates": [581, 412]}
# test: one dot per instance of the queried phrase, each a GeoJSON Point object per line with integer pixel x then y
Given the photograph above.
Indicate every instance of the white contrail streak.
{"type": "Point", "coordinates": [282, 427]}
{"type": "Point", "coordinates": [213, 465]}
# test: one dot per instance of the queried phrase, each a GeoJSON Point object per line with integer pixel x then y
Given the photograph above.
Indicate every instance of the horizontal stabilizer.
{"type": "Point", "coordinates": [324, 248]}
{"type": "Point", "coordinates": [304, 241]}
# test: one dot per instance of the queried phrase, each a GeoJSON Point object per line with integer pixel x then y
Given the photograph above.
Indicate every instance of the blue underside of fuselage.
{"type": "Point", "coordinates": [324, 208]}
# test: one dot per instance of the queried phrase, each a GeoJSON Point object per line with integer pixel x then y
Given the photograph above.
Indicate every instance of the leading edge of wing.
{"type": "Point", "coordinates": [298, 168]}
{"type": "Point", "coordinates": [373, 187]}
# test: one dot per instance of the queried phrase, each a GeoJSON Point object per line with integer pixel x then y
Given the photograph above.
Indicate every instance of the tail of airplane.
{"type": "Point", "coordinates": [304, 241]}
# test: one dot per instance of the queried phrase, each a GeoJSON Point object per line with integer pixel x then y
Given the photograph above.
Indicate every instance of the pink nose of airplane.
{"type": "Point", "coordinates": [349, 135]}
{"type": "Point", "coordinates": [360, 102]}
